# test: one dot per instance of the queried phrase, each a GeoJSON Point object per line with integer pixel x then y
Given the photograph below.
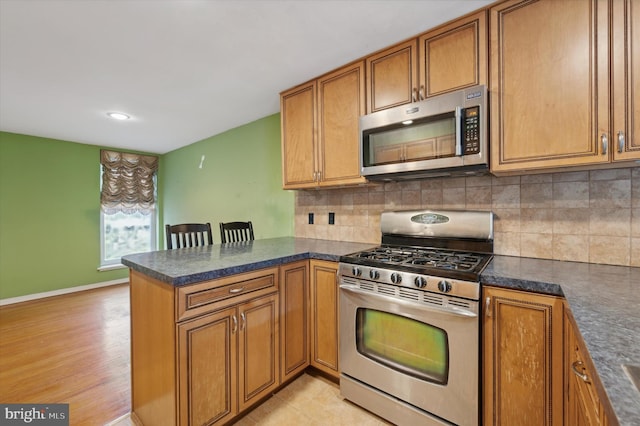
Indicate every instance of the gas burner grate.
{"type": "Point", "coordinates": [423, 257]}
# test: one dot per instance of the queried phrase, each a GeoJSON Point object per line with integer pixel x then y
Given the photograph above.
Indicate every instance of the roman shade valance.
{"type": "Point", "coordinates": [128, 182]}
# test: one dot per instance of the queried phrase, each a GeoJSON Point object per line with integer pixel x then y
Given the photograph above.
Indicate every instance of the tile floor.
{"type": "Point", "coordinates": [308, 400]}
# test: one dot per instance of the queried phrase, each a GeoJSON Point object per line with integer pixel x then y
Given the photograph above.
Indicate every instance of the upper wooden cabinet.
{"type": "Point", "coordinates": [392, 76]}
{"type": "Point", "coordinates": [320, 135]}
{"type": "Point", "coordinates": [298, 126]}
{"type": "Point", "coordinates": [523, 365]}
{"type": "Point", "coordinates": [447, 58]}
{"type": "Point", "coordinates": [550, 93]}
{"type": "Point", "coordinates": [626, 82]}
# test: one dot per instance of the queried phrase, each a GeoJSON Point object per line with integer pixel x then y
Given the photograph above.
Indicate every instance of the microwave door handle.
{"type": "Point", "coordinates": [458, 118]}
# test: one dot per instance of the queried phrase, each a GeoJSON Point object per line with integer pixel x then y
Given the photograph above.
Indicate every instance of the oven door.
{"type": "Point", "coordinates": [426, 356]}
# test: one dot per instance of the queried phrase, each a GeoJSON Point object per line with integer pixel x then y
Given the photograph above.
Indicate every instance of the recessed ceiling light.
{"type": "Point", "coordinates": [118, 116]}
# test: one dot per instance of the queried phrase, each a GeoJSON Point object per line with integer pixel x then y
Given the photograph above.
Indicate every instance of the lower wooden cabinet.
{"type": "Point", "coordinates": [204, 353]}
{"type": "Point", "coordinates": [324, 316]}
{"type": "Point", "coordinates": [583, 407]}
{"type": "Point", "coordinates": [208, 360]}
{"type": "Point", "coordinates": [522, 358]}
{"type": "Point", "coordinates": [227, 353]}
{"type": "Point", "coordinates": [294, 319]}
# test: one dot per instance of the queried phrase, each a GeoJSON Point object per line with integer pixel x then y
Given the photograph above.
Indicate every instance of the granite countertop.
{"type": "Point", "coordinates": [185, 266]}
{"type": "Point", "coordinates": [605, 302]}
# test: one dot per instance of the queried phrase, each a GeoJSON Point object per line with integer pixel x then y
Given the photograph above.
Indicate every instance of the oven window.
{"type": "Point", "coordinates": [435, 137]}
{"type": "Point", "coordinates": [403, 344]}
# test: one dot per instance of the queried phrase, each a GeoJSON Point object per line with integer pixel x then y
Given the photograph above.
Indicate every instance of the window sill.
{"type": "Point", "coordinates": [104, 268]}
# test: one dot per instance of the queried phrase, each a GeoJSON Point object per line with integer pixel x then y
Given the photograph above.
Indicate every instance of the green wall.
{"type": "Point", "coordinates": [240, 179]}
{"type": "Point", "coordinates": [50, 201]}
{"type": "Point", "coordinates": [49, 216]}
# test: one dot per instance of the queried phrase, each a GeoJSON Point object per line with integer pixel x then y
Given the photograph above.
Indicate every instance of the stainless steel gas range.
{"type": "Point", "coordinates": [409, 318]}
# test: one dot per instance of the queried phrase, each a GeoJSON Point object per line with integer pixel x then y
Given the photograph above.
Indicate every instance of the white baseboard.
{"type": "Point", "coordinates": [12, 300]}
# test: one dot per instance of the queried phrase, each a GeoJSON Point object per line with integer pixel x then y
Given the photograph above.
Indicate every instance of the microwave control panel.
{"type": "Point", "coordinates": [471, 130]}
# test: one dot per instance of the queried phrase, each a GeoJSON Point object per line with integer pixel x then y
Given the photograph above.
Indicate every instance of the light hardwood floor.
{"type": "Point", "coordinates": [70, 349]}
{"type": "Point", "coordinates": [75, 349]}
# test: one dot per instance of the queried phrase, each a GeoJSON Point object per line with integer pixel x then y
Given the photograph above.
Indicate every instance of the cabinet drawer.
{"type": "Point", "coordinates": [197, 299]}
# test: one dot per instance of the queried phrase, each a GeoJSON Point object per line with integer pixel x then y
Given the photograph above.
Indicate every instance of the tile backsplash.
{"type": "Point", "coordinates": [586, 216]}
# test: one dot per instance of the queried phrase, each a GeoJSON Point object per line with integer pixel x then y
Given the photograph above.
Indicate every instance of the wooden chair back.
{"type": "Point", "coordinates": [188, 235]}
{"type": "Point", "coordinates": [232, 232]}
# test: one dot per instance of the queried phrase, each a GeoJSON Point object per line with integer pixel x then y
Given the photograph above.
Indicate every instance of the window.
{"type": "Point", "coordinates": [127, 205]}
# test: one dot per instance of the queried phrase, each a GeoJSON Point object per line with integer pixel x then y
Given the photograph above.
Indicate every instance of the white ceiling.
{"type": "Point", "coordinates": [184, 70]}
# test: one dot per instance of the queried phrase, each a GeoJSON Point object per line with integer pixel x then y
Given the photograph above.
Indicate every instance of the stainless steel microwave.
{"type": "Point", "coordinates": [445, 135]}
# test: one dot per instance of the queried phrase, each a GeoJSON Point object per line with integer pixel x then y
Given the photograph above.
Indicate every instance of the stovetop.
{"type": "Point", "coordinates": [459, 264]}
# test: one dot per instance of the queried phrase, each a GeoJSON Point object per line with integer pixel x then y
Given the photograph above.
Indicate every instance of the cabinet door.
{"type": "Point", "coordinates": [582, 402]}
{"type": "Point", "coordinates": [522, 358]}
{"type": "Point", "coordinates": [207, 368]}
{"type": "Point", "coordinates": [626, 80]}
{"type": "Point", "coordinates": [259, 354]}
{"type": "Point", "coordinates": [340, 105]}
{"type": "Point", "coordinates": [294, 314]}
{"type": "Point", "coordinates": [454, 56]}
{"type": "Point", "coordinates": [392, 76]}
{"type": "Point", "coordinates": [298, 126]}
{"type": "Point", "coordinates": [324, 316]}
{"type": "Point", "coordinates": [549, 84]}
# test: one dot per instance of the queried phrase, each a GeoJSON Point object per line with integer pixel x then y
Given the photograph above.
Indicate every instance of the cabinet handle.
{"type": "Point", "coordinates": [319, 176]}
{"type": "Point", "coordinates": [235, 324]}
{"type": "Point", "coordinates": [458, 115]}
{"type": "Point", "coordinates": [487, 306]}
{"type": "Point", "coordinates": [605, 142]}
{"type": "Point", "coordinates": [620, 141]}
{"type": "Point", "coordinates": [414, 94]}
{"type": "Point", "coordinates": [574, 368]}
{"type": "Point", "coordinates": [236, 290]}
{"type": "Point", "coordinates": [421, 93]}
{"type": "Point", "coordinates": [243, 321]}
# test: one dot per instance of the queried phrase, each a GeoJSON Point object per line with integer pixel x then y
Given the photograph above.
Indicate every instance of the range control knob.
{"type": "Point", "coordinates": [420, 282]}
{"type": "Point", "coordinates": [356, 271]}
{"type": "Point", "coordinates": [373, 274]}
{"type": "Point", "coordinates": [396, 278]}
{"type": "Point", "coordinates": [444, 286]}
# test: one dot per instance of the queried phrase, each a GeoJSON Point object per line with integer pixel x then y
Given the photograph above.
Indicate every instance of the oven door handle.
{"type": "Point", "coordinates": [451, 310]}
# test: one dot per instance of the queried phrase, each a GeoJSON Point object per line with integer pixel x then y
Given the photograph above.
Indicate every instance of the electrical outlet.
{"type": "Point", "coordinates": [332, 218]}
{"type": "Point", "coordinates": [310, 218]}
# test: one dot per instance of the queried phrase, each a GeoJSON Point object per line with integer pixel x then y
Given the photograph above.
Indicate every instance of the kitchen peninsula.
{"type": "Point", "coordinates": [176, 294]}
{"type": "Point", "coordinates": [217, 329]}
